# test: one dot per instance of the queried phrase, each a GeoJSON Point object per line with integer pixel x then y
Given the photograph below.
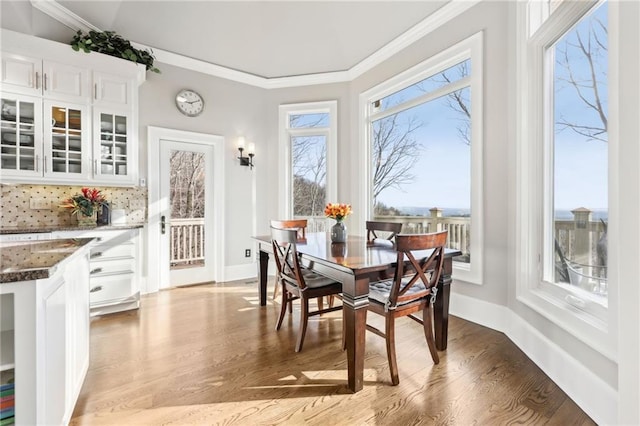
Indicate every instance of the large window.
{"type": "Point", "coordinates": [564, 165]}
{"type": "Point", "coordinates": [425, 151]}
{"type": "Point", "coordinates": [578, 146]}
{"type": "Point", "coordinates": [307, 143]}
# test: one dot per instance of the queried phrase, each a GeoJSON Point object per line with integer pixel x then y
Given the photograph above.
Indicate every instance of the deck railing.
{"type": "Point", "coordinates": [187, 241]}
{"type": "Point", "coordinates": [577, 237]}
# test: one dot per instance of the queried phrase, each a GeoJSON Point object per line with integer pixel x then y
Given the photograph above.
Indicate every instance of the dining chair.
{"type": "Point", "coordinates": [298, 285]}
{"type": "Point", "coordinates": [301, 226]}
{"type": "Point", "coordinates": [392, 228]}
{"type": "Point", "coordinates": [412, 289]}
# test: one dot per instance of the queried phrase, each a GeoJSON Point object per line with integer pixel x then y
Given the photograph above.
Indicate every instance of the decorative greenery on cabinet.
{"type": "Point", "coordinates": [110, 43]}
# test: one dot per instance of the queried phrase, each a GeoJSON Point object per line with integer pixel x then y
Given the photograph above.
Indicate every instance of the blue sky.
{"type": "Point", "coordinates": [580, 164]}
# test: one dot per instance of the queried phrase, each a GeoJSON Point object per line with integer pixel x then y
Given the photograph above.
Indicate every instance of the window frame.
{"type": "Point", "coordinates": [285, 133]}
{"type": "Point", "coordinates": [534, 180]}
{"type": "Point", "coordinates": [470, 48]}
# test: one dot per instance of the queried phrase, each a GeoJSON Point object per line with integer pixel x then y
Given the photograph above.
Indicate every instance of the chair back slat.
{"type": "Point", "coordinates": [412, 271]}
{"type": "Point", "coordinates": [391, 227]}
{"type": "Point", "coordinates": [299, 224]}
{"type": "Point", "coordinates": [284, 242]}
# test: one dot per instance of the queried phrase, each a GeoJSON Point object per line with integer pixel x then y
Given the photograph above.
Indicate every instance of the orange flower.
{"type": "Point", "coordinates": [337, 211]}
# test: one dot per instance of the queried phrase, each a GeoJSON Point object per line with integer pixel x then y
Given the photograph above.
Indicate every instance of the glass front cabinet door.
{"type": "Point", "coordinates": [66, 141]}
{"type": "Point", "coordinates": [113, 147]}
{"type": "Point", "coordinates": [20, 136]}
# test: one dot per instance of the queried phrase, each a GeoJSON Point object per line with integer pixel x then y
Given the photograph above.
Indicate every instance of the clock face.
{"type": "Point", "coordinates": [189, 103]}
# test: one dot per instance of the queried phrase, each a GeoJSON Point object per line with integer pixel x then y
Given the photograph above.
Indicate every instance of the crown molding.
{"type": "Point", "coordinates": [63, 15]}
{"type": "Point", "coordinates": [427, 25]}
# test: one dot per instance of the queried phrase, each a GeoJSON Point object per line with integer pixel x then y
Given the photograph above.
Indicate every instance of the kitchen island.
{"type": "Point", "coordinates": [44, 326]}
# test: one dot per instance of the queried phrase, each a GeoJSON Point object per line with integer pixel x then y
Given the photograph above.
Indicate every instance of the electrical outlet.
{"type": "Point", "coordinates": [39, 204]}
{"type": "Point", "coordinates": [137, 204]}
{"type": "Point", "coordinates": [247, 253]}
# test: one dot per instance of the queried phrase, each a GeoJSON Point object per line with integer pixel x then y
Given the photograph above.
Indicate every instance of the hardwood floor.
{"type": "Point", "coordinates": [209, 354]}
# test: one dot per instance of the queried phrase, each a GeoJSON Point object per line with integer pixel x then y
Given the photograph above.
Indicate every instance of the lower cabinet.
{"type": "Point", "coordinates": [114, 283]}
{"type": "Point", "coordinates": [45, 345]}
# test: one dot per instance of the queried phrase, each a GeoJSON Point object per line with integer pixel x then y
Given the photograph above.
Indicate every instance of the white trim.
{"type": "Point", "coordinates": [470, 48]}
{"type": "Point", "coordinates": [285, 201]}
{"type": "Point", "coordinates": [154, 135]}
{"type": "Point", "coordinates": [63, 15]}
{"type": "Point", "coordinates": [593, 395]}
{"type": "Point", "coordinates": [418, 31]}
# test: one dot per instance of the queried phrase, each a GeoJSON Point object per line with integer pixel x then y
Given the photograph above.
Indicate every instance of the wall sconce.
{"type": "Point", "coordinates": [248, 160]}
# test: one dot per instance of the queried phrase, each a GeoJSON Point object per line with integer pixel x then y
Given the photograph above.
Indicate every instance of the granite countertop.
{"type": "Point", "coordinates": [52, 228]}
{"type": "Point", "coordinates": [26, 261]}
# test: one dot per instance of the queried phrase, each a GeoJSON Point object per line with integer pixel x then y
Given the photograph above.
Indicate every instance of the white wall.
{"type": "Point", "coordinates": [231, 110]}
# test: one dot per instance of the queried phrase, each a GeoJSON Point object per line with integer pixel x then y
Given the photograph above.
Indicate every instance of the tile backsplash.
{"type": "Point", "coordinates": [15, 204]}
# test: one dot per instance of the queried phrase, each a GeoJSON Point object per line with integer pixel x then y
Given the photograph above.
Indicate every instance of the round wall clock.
{"type": "Point", "coordinates": [189, 102]}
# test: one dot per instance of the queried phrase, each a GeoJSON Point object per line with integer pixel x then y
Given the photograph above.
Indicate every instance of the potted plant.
{"type": "Point", "coordinates": [85, 205]}
{"type": "Point", "coordinates": [110, 43]}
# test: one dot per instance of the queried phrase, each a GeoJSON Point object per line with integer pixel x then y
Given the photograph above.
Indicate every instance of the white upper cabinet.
{"type": "Point", "coordinates": [67, 117]}
{"type": "Point", "coordinates": [21, 74]}
{"type": "Point", "coordinates": [112, 90]}
{"type": "Point", "coordinates": [61, 81]}
{"type": "Point", "coordinates": [35, 76]}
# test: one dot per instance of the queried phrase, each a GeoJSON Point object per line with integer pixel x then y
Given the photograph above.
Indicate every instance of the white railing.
{"type": "Point", "coordinates": [187, 241]}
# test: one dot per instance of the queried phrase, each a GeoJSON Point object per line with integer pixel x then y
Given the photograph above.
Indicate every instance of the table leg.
{"type": "Point", "coordinates": [355, 317]}
{"type": "Point", "coordinates": [263, 264]}
{"type": "Point", "coordinates": [441, 307]}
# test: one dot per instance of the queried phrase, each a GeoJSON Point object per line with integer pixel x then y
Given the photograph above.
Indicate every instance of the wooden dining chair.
{"type": "Point", "coordinates": [296, 285]}
{"type": "Point", "coordinates": [412, 289]}
{"type": "Point", "coordinates": [392, 228]}
{"type": "Point", "coordinates": [301, 226]}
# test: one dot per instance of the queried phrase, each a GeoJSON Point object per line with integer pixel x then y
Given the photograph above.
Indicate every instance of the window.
{"type": "Point", "coordinates": [308, 145]}
{"type": "Point", "coordinates": [564, 164]}
{"type": "Point", "coordinates": [421, 127]}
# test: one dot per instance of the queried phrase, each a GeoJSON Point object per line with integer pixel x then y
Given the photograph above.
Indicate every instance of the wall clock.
{"type": "Point", "coordinates": [189, 102]}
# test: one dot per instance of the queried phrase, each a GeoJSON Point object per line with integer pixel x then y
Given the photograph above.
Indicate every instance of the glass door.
{"type": "Point", "coordinates": [66, 136]}
{"type": "Point", "coordinates": [187, 211]}
{"type": "Point", "coordinates": [20, 143]}
{"type": "Point", "coordinates": [114, 150]}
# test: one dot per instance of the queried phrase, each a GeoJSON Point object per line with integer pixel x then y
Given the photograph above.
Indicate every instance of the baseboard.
{"type": "Point", "coordinates": [593, 395]}
{"type": "Point", "coordinates": [240, 272]}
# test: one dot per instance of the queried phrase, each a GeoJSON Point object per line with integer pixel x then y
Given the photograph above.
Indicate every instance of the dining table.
{"type": "Point", "coordinates": [355, 264]}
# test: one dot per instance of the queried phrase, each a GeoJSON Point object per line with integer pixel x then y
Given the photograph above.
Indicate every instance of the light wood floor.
{"type": "Point", "coordinates": [210, 355]}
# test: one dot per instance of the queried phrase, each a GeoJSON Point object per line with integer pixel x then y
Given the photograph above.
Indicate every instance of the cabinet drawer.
{"type": "Point", "coordinates": [111, 287]}
{"type": "Point", "coordinates": [112, 266]}
{"type": "Point", "coordinates": [109, 252]}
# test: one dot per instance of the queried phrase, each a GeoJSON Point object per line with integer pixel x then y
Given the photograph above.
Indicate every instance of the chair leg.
{"type": "Point", "coordinates": [390, 331]}
{"type": "Point", "coordinates": [276, 288]}
{"type": "Point", "coordinates": [427, 324]}
{"type": "Point", "coordinates": [331, 300]}
{"type": "Point", "coordinates": [320, 303]}
{"type": "Point", "coordinates": [304, 318]}
{"type": "Point", "coordinates": [283, 308]}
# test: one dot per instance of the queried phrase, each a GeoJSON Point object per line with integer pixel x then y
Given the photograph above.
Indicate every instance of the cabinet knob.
{"type": "Point", "coordinates": [96, 271]}
{"type": "Point", "coordinates": [96, 254]}
{"type": "Point", "coordinates": [95, 289]}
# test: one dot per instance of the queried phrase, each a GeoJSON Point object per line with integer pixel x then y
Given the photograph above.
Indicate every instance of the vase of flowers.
{"type": "Point", "coordinates": [338, 212]}
{"type": "Point", "coordinates": [85, 206]}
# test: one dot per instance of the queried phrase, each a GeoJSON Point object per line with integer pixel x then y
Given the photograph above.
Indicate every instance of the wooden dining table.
{"type": "Point", "coordinates": [355, 264]}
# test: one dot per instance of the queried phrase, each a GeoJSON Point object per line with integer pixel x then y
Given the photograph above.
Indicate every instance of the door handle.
{"type": "Point", "coordinates": [163, 225]}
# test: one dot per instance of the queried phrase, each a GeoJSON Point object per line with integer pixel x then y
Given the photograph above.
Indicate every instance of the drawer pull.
{"type": "Point", "coordinates": [95, 289]}
{"type": "Point", "coordinates": [96, 271]}
{"type": "Point", "coordinates": [96, 254]}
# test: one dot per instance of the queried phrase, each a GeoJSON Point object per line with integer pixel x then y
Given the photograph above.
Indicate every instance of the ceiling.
{"type": "Point", "coordinates": [269, 39]}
